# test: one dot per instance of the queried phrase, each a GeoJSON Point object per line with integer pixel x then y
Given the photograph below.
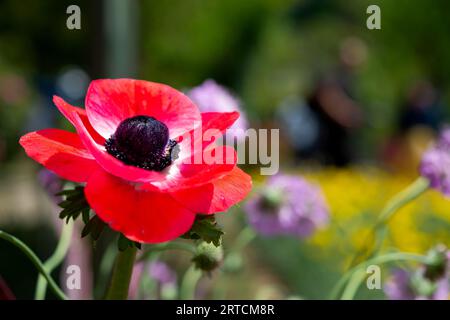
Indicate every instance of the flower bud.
{"type": "Point", "coordinates": [272, 198]}
{"type": "Point", "coordinates": [436, 263]}
{"type": "Point", "coordinates": [208, 256]}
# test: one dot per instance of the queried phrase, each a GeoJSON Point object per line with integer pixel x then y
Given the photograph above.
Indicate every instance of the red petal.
{"type": "Point", "coordinates": [61, 152]}
{"type": "Point", "coordinates": [142, 216]}
{"type": "Point", "coordinates": [217, 196]}
{"type": "Point", "coordinates": [179, 175]}
{"type": "Point", "coordinates": [203, 170]}
{"type": "Point", "coordinates": [183, 175]}
{"type": "Point", "coordinates": [212, 127]}
{"type": "Point", "coordinates": [218, 120]}
{"type": "Point", "coordinates": [68, 110]}
{"type": "Point", "coordinates": [109, 102]}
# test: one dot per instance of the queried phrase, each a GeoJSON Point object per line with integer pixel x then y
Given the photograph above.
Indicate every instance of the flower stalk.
{"type": "Point", "coordinates": [121, 276]}
{"type": "Point", "coordinates": [352, 286]}
{"type": "Point", "coordinates": [419, 186]}
{"type": "Point", "coordinates": [174, 245]}
{"type": "Point", "coordinates": [189, 283]}
{"type": "Point", "coordinates": [56, 259]}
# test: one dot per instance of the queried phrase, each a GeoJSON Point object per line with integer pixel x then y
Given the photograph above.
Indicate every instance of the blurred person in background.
{"type": "Point", "coordinates": [321, 127]}
{"type": "Point", "coordinates": [421, 108]}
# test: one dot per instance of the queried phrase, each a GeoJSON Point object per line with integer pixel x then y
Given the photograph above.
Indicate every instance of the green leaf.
{"type": "Point", "coordinates": [86, 215]}
{"type": "Point", "coordinates": [74, 203]}
{"type": "Point", "coordinates": [205, 228]}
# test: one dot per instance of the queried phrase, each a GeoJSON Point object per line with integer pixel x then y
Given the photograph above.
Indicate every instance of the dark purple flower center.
{"type": "Point", "coordinates": [143, 142]}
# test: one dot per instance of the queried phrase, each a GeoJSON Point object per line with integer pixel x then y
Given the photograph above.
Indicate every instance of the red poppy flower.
{"type": "Point", "coordinates": [142, 174]}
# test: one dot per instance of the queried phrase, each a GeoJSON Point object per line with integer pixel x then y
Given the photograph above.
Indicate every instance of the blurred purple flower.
{"type": "Point", "coordinates": [162, 273]}
{"type": "Point", "coordinates": [435, 164]}
{"type": "Point", "coordinates": [444, 139]}
{"type": "Point", "coordinates": [158, 271]}
{"type": "Point", "coordinates": [398, 287]}
{"type": "Point", "coordinates": [287, 205]}
{"type": "Point", "coordinates": [429, 282]}
{"type": "Point", "coordinates": [401, 287]}
{"type": "Point", "coordinates": [211, 97]}
{"type": "Point", "coordinates": [51, 183]}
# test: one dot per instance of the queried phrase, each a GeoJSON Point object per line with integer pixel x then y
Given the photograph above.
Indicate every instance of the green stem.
{"type": "Point", "coordinates": [375, 240]}
{"type": "Point", "coordinates": [35, 260]}
{"type": "Point", "coordinates": [104, 270]}
{"type": "Point", "coordinates": [121, 276]}
{"type": "Point", "coordinates": [243, 239]}
{"type": "Point", "coordinates": [55, 260]}
{"type": "Point", "coordinates": [189, 283]}
{"type": "Point", "coordinates": [353, 285]}
{"type": "Point", "coordinates": [415, 189]}
{"type": "Point", "coordinates": [146, 283]}
{"type": "Point", "coordinates": [397, 256]}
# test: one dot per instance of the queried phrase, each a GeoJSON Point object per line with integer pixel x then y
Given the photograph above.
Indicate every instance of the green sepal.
{"type": "Point", "coordinates": [205, 228]}
{"type": "Point", "coordinates": [74, 203]}
{"type": "Point", "coordinates": [94, 227]}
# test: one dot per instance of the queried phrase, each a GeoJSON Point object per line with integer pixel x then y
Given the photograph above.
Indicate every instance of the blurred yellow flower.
{"type": "Point", "coordinates": [357, 195]}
